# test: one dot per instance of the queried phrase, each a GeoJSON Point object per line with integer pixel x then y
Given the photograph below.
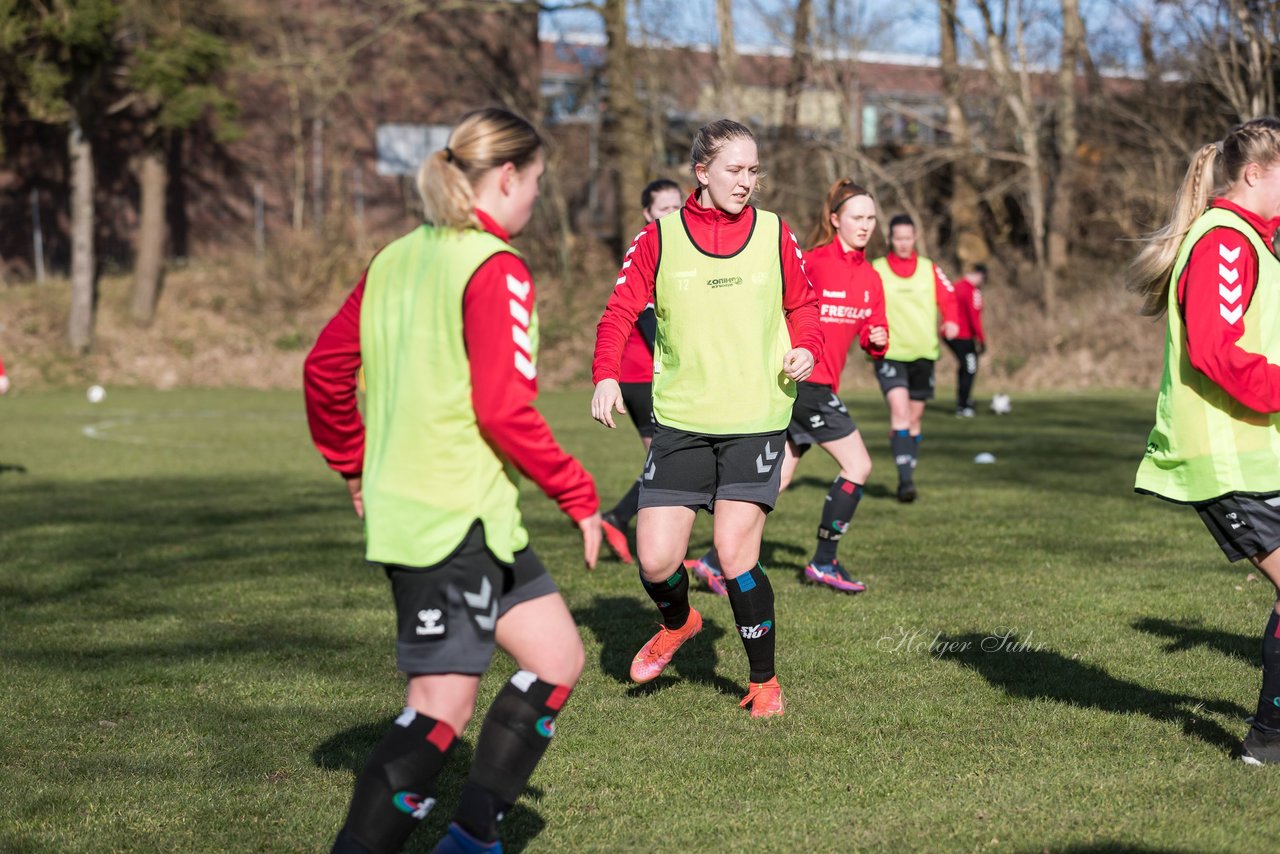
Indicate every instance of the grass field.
{"type": "Point", "coordinates": [196, 658]}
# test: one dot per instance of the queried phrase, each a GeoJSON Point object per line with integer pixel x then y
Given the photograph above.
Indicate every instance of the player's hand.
{"type": "Point", "coordinates": [982, 348]}
{"type": "Point", "coordinates": [591, 536]}
{"type": "Point", "coordinates": [357, 496]}
{"type": "Point", "coordinates": [607, 398]}
{"type": "Point", "coordinates": [950, 330]}
{"type": "Point", "coordinates": [878, 336]}
{"type": "Point", "coordinates": [4, 384]}
{"type": "Point", "coordinates": [798, 364]}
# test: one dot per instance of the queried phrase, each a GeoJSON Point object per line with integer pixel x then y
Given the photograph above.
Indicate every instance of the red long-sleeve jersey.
{"type": "Point", "coordinates": [717, 233]}
{"type": "Point", "coordinates": [905, 268]}
{"type": "Point", "coordinates": [851, 302]}
{"type": "Point", "coordinates": [503, 385]}
{"type": "Point", "coordinates": [969, 309]}
{"type": "Point", "coordinates": [1214, 292]}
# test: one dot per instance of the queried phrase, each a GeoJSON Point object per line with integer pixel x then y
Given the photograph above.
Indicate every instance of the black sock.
{"type": "Point", "coordinates": [915, 450]}
{"type": "Point", "coordinates": [964, 380]}
{"type": "Point", "coordinates": [1267, 718]}
{"type": "Point", "coordinates": [671, 597]}
{"type": "Point", "coordinates": [515, 734]}
{"type": "Point", "coordinates": [904, 454]}
{"type": "Point", "coordinates": [837, 510]}
{"type": "Point", "coordinates": [397, 786]}
{"type": "Point", "coordinates": [751, 598]}
{"type": "Point", "coordinates": [628, 505]}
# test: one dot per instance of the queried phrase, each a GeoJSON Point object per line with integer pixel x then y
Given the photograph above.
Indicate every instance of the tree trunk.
{"type": "Point", "coordinates": [153, 178]}
{"type": "Point", "coordinates": [964, 208]}
{"type": "Point", "coordinates": [726, 62]}
{"type": "Point", "coordinates": [798, 74]}
{"type": "Point", "coordinates": [625, 137]}
{"type": "Point", "coordinates": [1066, 140]}
{"type": "Point", "coordinates": [83, 262]}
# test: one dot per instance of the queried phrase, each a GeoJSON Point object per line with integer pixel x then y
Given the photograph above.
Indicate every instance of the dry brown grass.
{"type": "Point", "coordinates": [236, 321]}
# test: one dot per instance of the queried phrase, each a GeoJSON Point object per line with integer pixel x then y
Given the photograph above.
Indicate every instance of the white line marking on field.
{"type": "Point", "coordinates": [106, 429]}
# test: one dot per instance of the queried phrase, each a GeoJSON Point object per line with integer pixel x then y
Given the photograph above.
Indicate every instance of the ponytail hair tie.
{"type": "Point", "coordinates": [448, 154]}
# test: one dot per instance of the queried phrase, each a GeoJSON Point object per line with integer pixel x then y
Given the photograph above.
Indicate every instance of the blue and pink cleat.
{"type": "Point", "coordinates": [833, 575]}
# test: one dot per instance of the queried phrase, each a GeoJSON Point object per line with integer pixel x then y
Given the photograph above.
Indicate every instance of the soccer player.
{"type": "Point", "coordinates": [916, 292]}
{"type": "Point", "coordinates": [737, 329]}
{"type": "Point", "coordinates": [971, 341]}
{"type": "Point", "coordinates": [1212, 271]}
{"type": "Point", "coordinates": [658, 199]}
{"type": "Point", "coordinates": [444, 327]}
{"type": "Point", "coordinates": [4, 380]}
{"type": "Point", "coordinates": [852, 309]}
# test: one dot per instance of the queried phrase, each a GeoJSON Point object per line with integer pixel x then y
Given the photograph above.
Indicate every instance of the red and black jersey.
{"type": "Point", "coordinates": [1214, 325]}
{"type": "Point", "coordinates": [504, 385]}
{"type": "Point", "coordinates": [969, 309]}
{"type": "Point", "coordinates": [851, 302]}
{"type": "Point", "coordinates": [714, 232]}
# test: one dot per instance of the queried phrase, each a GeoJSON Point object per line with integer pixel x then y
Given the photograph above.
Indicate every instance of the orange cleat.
{"type": "Point", "coordinates": [765, 699]}
{"type": "Point", "coordinates": [654, 656]}
{"type": "Point", "coordinates": [615, 535]}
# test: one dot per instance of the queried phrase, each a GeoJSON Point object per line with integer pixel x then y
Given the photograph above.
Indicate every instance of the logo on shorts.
{"type": "Point", "coordinates": [836, 403]}
{"type": "Point", "coordinates": [769, 454]}
{"type": "Point", "coordinates": [431, 622]}
{"type": "Point", "coordinates": [650, 467]}
{"type": "Point", "coordinates": [483, 602]}
{"type": "Point", "coordinates": [546, 726]}
{"type": "Point", "coordinates": [751, 632]}
{"type": "Point", "coordinates": [415, 805]}
{"type": "Point", "coordinates": [887, 370]}
{"type": "Point", "coordinates": [816, 421]}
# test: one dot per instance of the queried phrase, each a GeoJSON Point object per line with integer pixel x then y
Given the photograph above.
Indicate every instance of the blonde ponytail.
{"type": "Point", "coordinates": [1215, 169]}
{"type": "Point", "coordinates": [1150, 272]}
{"type": "Point", "coordinates": [482, 140]}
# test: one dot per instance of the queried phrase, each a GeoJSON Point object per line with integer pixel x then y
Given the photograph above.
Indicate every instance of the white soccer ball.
{"type": "Point", "coordinates": [96, 394]}
{"type": "Point", "coordinates": [985, 458]}
{"type": "Point", "coordinates": [1000, 404]}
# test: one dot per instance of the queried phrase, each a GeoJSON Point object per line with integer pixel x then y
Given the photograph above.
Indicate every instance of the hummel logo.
{"type": "Point", "coordinates": [1229, 256]}
{"type": "Point", "coordinates": [480, 601]}
{"type": "Point", "coordinates": [431, 624]}
{"type": "Point", "coordinates": [834, 294]}
{"type": "Point", "coordinates": [769, 454]}
{"type": "Point", "coordinates": [816, 421]}
{"type": "Point", "coordinates": [650, 468]}
{"type": "Point", "coordinates": [517, 287]}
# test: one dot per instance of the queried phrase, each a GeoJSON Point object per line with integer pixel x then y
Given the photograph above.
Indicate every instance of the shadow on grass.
{"type": "Point", "coordinates": [349, 749]}
{"type": "Point", "coordinates": [1034, 673]}
{"type": "Point", "coordinates": [16, 468]}
{"type": "Point", "coordinates": [622, 625]}
{"type": "Point", "coordinates": [1111, 847]}
{"type": "Point", "coordinates": [1184, 636]}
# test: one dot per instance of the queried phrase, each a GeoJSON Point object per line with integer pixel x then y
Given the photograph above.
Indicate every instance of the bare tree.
{"type": "Point", "coordinates": [726, 78]}
{"type": "Point", "coordinates": [1066, 139]}
{"type": "Point", "coordinates": [626, 136]}
{"type": "Point", "coordinates": [964, 205]}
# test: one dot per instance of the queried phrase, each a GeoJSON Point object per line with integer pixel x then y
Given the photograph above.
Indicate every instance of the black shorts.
{"type": "Point", "coordinates": [694, 470]}
{"type": "Point", "coordinates": [1243, 525]}
{"type": "Point", "coordinates": [818, 416]}
{"type": "Point", "coordinates": [966, 352]}
{"type": "Point", "coordinates": [446, 614]}
{"type": "Point", "coordinates": [638, 398]}
{"type": "Point", "coordinates": [916, 377]}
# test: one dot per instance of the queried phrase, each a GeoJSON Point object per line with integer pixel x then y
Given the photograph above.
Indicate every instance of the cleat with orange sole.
{"type": "Point", "coordinates": [615, 536]}
{"type": "Point", "coordinates": [765, 699]}
{"type": "Point", "coordinates": [655, 655]}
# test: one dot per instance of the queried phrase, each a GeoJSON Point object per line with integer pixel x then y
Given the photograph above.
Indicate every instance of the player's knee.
{"type": "Point", "coordinates": [656, 563]}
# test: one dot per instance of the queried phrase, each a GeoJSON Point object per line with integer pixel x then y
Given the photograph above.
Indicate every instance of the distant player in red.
{"type": "Point", "coordinates": [4, 380]}
{"type": "Point", "coordinates": [658, 199]}
{"type": "Point", "coordinates": [970, 342]}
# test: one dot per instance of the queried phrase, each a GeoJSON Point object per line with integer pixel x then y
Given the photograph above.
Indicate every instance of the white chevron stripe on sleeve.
{"type": "Point", "coordinates": [1232, 295]}
{"type": "Point", "coordinates": [524, 366]}
{"type": "Point", "coordinates": [520, 313]}
{"type": "Point", "coordinates": [1231, 316]}
{"type": "Point", "coordinates": [1228, 255]}
{"type": "Point", "coordinates": [519, 288]}
{"type": "Point", "coordinates": [1228, 274]}
{"type": "Point", "coordinates": [521, 338]}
